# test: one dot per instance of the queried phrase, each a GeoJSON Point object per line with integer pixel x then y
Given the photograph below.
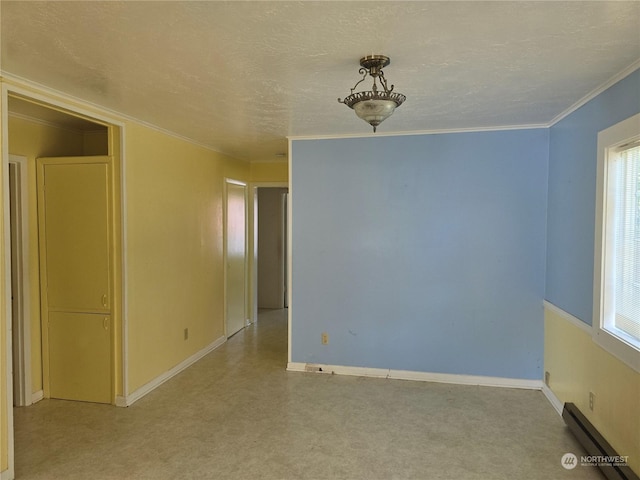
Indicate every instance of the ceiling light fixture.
{"type": "Point", "coordinates": [374, 106]}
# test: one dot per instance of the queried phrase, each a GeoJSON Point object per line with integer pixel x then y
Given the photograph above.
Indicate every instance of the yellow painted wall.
{"type": "Point", "coordinates": [33, 140]}
{"type": "Point", "coordinates": [578, 366]}
{"type": "Point", "coordinates": [270, 172]}
{"type": "Point", "coordinates": [174, 244]}
{"type": "Point", "coordinates": [95, 142]}
{"type": "Point", "coordinates": [174, 189]}
{"type": "Point", "coordinates": [174, 249]}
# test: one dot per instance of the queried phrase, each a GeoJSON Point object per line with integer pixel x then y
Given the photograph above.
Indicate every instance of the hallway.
{"type": "Point", "coordinates": [237, 414]}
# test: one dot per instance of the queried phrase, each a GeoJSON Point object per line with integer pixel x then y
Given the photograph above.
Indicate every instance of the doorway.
{"type": "Point", "coordinates": [36, 129]}
{"type": "Point", "coordinates": [36, 126]}
{"type": "Point", "coordinates": [272, 283]}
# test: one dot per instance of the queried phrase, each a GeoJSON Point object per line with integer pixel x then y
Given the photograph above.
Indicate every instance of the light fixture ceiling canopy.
{"type": "Point", "coordinates": [375, 105]}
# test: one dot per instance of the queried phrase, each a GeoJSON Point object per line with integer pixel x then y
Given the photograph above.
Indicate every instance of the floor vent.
{"type": "Point", "coordinates": [599, 451]}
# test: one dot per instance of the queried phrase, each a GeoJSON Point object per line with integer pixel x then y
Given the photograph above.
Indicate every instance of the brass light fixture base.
{"type": "Point", "coordinates": [374, 63]}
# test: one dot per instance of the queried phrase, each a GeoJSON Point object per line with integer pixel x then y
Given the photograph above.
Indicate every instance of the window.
{"type": "Point", "coordinates": [625, 167]}
{"type": "Point", "coordinates": [616, 324]}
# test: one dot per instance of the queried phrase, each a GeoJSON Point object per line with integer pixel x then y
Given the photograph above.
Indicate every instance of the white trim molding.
{"type": "Point", "coordinates": [126, 401]}
{"type": "Point", "coordinates": [575, 321]}
{"type": "Point", "coordinates": [478, 380]}
{"type": "Point", "coordinates": [289, 249]}
{"type": "Point", "coordinates": [555, 402]}
{"type": "Point", "coordinates": [18, 82]}
{"type": "Point", "coordinates": [19, 232]}
{"type": "Point", "coordinates": [620, 344]}
{"type": "Point", "coordinates": [6, 294]}
{"type": "Point", "coordinates": [495, 128]}
{"type": "Point", "coordinates": [37, 396]}
{"type": "Point", "coordinates": [225, 253]}
{"type": "Point", "coordinates": [595, 92]}
{"type": "Point", "coordinates": [253, 242]}
{"type": "Point", "coordinates": [589, 96]}
{"type": "Point", "coordinates": [7, 474]}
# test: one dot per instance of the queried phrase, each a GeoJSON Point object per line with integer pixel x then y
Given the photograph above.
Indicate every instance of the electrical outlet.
{"type": "Point", "coordinates": [186, 333]}
{"type": "Point", "coordinates": [547, 378]}
{"type": "Point", "coordinates": [325, 338]}
{"type": "Point", "coordinates": [592, 399]}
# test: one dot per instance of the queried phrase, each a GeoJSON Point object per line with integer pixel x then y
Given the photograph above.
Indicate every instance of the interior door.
{"type": "Point", "coordinates": [236, 256]}
{"type": "Point", "coordinates": [75, 251]}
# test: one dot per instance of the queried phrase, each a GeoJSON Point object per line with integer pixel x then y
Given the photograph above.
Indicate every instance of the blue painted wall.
{"type": "Point", "coordinates": [572, 194]}
{"type": "Point", "coordinates": [423, 253]}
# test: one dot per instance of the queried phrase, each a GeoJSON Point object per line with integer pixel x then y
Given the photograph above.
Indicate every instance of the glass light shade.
{"type": "Point", "coordinates": [374, 111]}
{"type": "Point", "coordinates": [374, 106]}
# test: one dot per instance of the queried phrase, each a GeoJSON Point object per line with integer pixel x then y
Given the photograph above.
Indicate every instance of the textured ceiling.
{"type": "Point", "coordinates": [240, 76]}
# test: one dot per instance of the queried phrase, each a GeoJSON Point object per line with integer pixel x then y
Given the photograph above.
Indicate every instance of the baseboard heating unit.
{"type": "Point", "coordinates": [599, 452]}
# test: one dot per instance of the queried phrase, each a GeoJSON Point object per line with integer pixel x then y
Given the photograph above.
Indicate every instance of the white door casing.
{"type": "Point", "coordinates": [21, 328]}
{"type": "Point", "coordinates": [235, 256]}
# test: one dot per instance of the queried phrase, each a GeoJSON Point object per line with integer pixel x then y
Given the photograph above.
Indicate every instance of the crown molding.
{"type": "Point", "coordinates": [597, 91]}
{"type": "Point", "coordinates": [590, 96]}
{"type": "Point", "coordinates": [497, 128]}
{"type": "Point", "coordinates": [18, 81]}
{"type": "Point", "coordinates": [89, 109]}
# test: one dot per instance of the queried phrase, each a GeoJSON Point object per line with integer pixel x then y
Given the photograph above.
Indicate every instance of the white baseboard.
{"type": "Point", "coordinates": [128, 400]}
{"type": "Point", "coordinates": [37, 396]}
{"type": "Point", "coordinates": [553, 400]}
{"type": "Point", "coordinates": [417, 376]}
{"type": "Point", "coordinates": [7, 475]}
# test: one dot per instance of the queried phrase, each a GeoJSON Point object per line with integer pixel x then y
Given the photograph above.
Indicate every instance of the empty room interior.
{"type": "Point", "coordinates": [212, 267]}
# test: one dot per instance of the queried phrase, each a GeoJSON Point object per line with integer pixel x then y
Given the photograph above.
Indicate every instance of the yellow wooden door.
{"type": "Point", "coordinates": [75, 254]}
{"type": "Point", "coordinates": [79, 356]}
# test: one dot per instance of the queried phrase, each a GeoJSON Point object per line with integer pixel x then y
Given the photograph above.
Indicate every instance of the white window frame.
{"type": "Point", "coordinates": [622, 346]}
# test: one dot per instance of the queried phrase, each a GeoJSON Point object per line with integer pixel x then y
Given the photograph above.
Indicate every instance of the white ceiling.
{"type": "Point", "coordinates": [241, 76]}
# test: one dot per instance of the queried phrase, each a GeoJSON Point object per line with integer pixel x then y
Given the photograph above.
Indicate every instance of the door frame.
{"type": "Point", "coordinates": [19, 191]}
{"type": "Point", "coordinates": [10, 85]}
{"type": "Point", "coordinates": [227, 182]}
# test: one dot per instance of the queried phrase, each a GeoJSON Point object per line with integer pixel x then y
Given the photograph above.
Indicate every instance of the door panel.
{"type": "Point", "coordinates": [236, 257]}
{"type": "Point", "coordinates": [76, 260]}
{"type": "Point", "coordinates": [79, 359]}
{"type": "Point", "coordinates": [77, 231]}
